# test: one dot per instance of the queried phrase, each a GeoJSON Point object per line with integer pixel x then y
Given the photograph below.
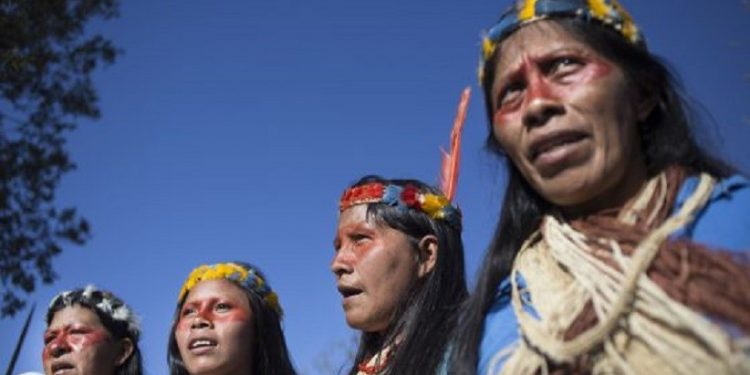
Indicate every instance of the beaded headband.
{"type": "Point", "coordinates": [607, 12]}
{"type": "Point", "coordinates": [247, 278]}
{"type": "Point", "coordinates": [103, 301]}
{"type": "Point", "coordinates": [437, 206]}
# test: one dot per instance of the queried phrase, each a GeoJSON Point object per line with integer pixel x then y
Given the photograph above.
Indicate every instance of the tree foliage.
{"type": "Point", "coordinates": [46, 62]}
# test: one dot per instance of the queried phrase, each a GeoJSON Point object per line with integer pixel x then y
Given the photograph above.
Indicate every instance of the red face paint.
{"type": "Point", "coordinates": [558, 76]}
{"type": "Point", "coordinates": [375, 267]}
{"type": "Point", "coordinates": [217, 310]}
{"type": "Point", "coordinates": [567, 117]}
{"type": "Point", "coordinates": [72, 338]}
{"type": "Point", "coordinates": [356, 239]}
{"type": "Point", "coordinates": [212, 310]}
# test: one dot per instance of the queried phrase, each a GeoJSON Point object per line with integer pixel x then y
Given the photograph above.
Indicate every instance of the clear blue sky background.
{"type": "Point", "coordinates": [230, 128]}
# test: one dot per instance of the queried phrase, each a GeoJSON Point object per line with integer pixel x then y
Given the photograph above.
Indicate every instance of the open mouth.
{"type": "Point", "coordinates": [347, 292]}
{"type": "Point", "coordinates": [201, 343]}
{"type": "Point", "coordinates": [552, 143]}
{"type": "Point", "coordinates": [59, 368]}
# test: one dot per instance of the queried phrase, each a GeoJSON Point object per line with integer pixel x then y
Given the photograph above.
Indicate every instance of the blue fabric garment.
{"type": "Point", "coordinates": [724, 223]}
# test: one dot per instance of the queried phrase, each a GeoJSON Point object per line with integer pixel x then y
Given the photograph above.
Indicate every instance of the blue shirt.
{"type": "Point", "coordinates": [724, 223]}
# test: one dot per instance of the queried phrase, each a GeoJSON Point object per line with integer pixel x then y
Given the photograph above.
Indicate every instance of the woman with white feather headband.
{"type": "Point", "coordinates": [91, 332]}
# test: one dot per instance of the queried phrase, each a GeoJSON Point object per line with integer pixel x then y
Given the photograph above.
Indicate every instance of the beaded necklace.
{"type": "Point", "coordinates": [377, 363]}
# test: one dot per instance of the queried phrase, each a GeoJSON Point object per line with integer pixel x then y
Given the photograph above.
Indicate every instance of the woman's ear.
{"type": "Point", "coordinates": [428, 253]}
{"type": "Point", "coordinates": [125, 351]}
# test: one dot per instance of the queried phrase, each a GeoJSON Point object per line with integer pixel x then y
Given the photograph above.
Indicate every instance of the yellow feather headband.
{"type": "Point", "coordinates": [246, 277]}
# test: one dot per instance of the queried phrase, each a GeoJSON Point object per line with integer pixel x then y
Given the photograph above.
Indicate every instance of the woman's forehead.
{"type": "Point", "coordinates": [360, 217]}
{"type": "Point", "coordinates": [538, 38]}
{"type": "Point", "coordinates": [75, 314]}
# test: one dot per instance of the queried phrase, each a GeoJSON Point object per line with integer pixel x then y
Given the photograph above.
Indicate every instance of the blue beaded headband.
{"type": "Point", "coordinates": [607, 12]}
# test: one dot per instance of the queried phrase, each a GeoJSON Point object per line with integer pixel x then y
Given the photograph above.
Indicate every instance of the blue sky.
{"type": "Point", "coordinates": [230, 128]}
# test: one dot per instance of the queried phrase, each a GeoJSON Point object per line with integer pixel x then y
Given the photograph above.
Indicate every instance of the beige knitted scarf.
{"type": "Point", "coordinates": [613, 294]}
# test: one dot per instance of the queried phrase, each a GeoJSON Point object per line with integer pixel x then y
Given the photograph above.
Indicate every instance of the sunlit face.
{"type": "Point", "coordinates": [76, 343]}
{"type": "Point", "coordinates": [215, 333]}
{"type": "Point", "coordinates": [375, 266]}
{"type": "Point", "coordinates": [566, 116]}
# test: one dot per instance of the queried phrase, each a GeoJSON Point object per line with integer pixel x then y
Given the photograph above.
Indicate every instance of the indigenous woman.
{"type": "Point", "coordinates": [227, 321]}
{"type": "Point", "coordinates": [621, 246]}
{"type": "Point", "coordinates": [399, 266]}
{"type": "Point", "coordinates": [91, 332]}
{"type": "Point", "coordinates": [400, 270]}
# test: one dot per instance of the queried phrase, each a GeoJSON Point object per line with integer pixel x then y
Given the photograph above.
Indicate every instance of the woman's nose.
{"type": "Point", "coordinates": [342, 263]}
{"type": "Point", "coordinates": [59, 347]}
{"type": "Point", "coordinates": [200, 321]}
{"type": "Point", "coordinates": [542, 104]}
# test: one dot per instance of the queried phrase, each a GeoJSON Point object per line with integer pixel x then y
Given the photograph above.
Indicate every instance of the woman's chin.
{"type": "Point", "coordinates": [365, 325]}
{"type": "Point", "coordinates": [569, 187]}
{"type": "Point", "coordinates": [205, 365]}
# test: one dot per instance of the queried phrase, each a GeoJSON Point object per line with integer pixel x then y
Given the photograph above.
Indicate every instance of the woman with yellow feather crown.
{"type": "Point", "coordinates": [228, 322]}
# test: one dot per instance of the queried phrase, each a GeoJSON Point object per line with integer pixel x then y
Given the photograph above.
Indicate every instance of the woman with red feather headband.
{"type": "Point", "coordinates": [400, 270]}
{"type": "Point", "coordinates": [622, 245]}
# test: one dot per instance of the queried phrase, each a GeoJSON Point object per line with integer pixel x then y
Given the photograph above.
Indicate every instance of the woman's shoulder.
{"type": "Point", "coordinates": [500, 332]}
{"type": "Point", "coordinates": [725, 220]}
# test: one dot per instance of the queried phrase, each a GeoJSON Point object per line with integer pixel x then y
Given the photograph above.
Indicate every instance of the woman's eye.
{"type": "Point", "coordinates": [510, 92]}
{"type": "Point", "coordinates": [48, 339]}
{"type": "Point", "coordinates": [360, 238]}
{"type": "Point", "coordinates": [563, 65]}
{"type": "Point", "coordinates": [187, 311]}
{"type": "Point", "coordinates": [223, 306]}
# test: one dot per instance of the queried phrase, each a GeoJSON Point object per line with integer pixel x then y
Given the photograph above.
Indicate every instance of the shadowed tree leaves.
{"type": "Point", "coordinates": [46, 62]}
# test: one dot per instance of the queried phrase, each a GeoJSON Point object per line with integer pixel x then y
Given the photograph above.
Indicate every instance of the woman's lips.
{"type": "Point", "coordinates": [201, 345]}
{"type": "Point", "coordinates": [550, 152]}
{"type": "Point", "coordinates": [61, 368]}
{"type": "Point", "coordinates": [348, 293]}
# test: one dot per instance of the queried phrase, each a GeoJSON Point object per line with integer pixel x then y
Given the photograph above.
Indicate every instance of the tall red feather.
{"type": "Point", "coordinates": [452, 160]}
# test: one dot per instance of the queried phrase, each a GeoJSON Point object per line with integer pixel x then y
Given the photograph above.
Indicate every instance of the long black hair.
{"type": "Point", "coordinates": [270, 354]}
{"type": "Point", "coordinates": [114, 315]}
{"type": "Point", "coordinates": [424, 321]}
{"type": "Point", "coordinates": [666, 137]}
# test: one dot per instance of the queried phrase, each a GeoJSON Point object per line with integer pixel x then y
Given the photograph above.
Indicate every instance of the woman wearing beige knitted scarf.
{"type": "Point", "coordinates": [621, 246]}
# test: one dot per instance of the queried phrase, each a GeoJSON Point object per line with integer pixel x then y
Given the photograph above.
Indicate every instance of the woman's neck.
{"type": "Point", "coordinates": [613, 199]}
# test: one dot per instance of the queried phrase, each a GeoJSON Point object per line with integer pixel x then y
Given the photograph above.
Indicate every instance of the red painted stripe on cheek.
{"type": "Point", "coordinates": [595, 69]}
{"type": "Point", "coordinates": [504, 115]}
{"type": "Point", "coordinates": [207, 313]}
{"type": "Point", "coordinates": [76, 342]}
{"type": "Point", "coordinates": [237, 314]}
{"type": "Point", "coordinates": [599, 69]}
{"type": "Point", "coordinates": [84, 341]}
{"type": "Point", "coordinates": [363, 249]}
{"type": "Point", "coordinates": [183, 324]}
